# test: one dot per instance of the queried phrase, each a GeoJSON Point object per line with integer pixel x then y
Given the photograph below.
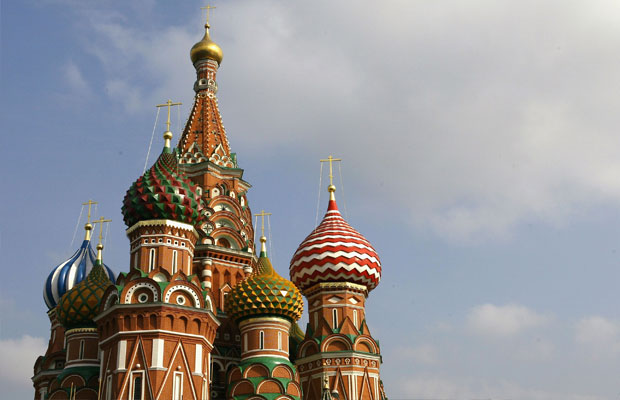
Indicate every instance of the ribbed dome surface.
{"type": "Point", "coordinates": [335, 252]}
{"type": "Point", "coordinates": [163, 192]}
{"type": "Point", "coordinates": [80, 305]}
{"type": "Point", "coordinates": [265, 293]}
{"type": "Point", "coordinates": [69, 273]}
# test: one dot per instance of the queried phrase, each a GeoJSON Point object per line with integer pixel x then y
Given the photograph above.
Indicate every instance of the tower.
{"type": "Point", "coordinates": [264, 306]}
{"type": "Point", "coordinates": [336, 267]}
{"type": "Point", "coordinates": [76, 311]}
{"type": "Point", "coordinates": [62, 279]}
{"type": "Point", "coordinates": [156, 325]}
{"type": "Point", "coordinates": [224, 253]}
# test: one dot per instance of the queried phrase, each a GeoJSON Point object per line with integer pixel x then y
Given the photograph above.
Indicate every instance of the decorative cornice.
{"type": "Point", "coordinates": [336, 286]}
{"type": "Point", "coordinates": [162, 222]}
{"type": "Point", "coordinates": [80, 330]}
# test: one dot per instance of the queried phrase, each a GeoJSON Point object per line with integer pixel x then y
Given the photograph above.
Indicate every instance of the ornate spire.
{"type": "Point", "coordinates": [204, 138]}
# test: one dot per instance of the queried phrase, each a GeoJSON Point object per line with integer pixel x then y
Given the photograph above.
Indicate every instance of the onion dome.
{"type": "Point", "coordinates": [71, 272]}
{"type": "Point", "coordinates": [206, 49]}
{"type": "Point", "coordinates": [264, 293]}
{"type": "Point", "coordinates": [79, 306]}
{"type": "Point", "coordinates": [163, 192]}
{"type": "Point", "coordinates": [335, 252]}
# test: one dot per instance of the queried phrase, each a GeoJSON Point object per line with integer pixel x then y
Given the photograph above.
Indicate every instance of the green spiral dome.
{"type": "Point", "coordinates": [163, 192]}
{"type": "Point", "coordinates": [79, 306]}
{"type": "Point", "coordinates": [264, 293]}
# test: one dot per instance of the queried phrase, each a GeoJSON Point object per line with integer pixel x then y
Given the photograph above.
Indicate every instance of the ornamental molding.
{"type": "Point", "coordinates": [330, 286]}
{"type": "Point", "coordinates": [162, 222]}
{"type": "Point", "coordinates": [80, 330]}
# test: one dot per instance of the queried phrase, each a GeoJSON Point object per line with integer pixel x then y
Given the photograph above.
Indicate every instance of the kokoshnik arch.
{"type": "Point", "coordinates": [197, 314]}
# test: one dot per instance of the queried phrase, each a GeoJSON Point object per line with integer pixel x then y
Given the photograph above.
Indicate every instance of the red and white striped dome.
{"type": "Point", "coordinates": [335, 252]}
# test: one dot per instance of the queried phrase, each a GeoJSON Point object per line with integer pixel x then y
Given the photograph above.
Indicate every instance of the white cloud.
{"type": "Point", "coordinates": [19, 356]}
{"type": "Point", "coordinates": [478, 118]}
{"type": "Point", "coordinates": [75, 79]}
{"type": "Point", "coordinates": [502, 321]}
{"type": "Point", "coordinates": [599, 334]}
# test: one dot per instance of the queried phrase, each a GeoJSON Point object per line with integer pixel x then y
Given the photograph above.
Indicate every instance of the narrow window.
{"type": "Point", "coordinates": [279, 340]}
{"type": "Point", "coordinates": [355, 318]}
{"type": "Point", "coordinates": [177, 386]}
{"type": "Point", "coordinates": [137, 386]}
{"type": "Point", "coordinates": [108, 388]}
{"type": "Point", "coordinates": [81, 355]}
{"type": "Point", "coordinates": [335, 318]}
{"type": "Point", "coordinates": [261, 340]}
{"type": "Point", "coordinates": [54, 336]}
{"type": "Point", "coordinates": [245, 342]}
{"type": "Point", "coordinates": [316, 320]}
{"type": "Point", "coordinates": [151, 259]}
{"type": "Point", "coordinates": [174, 261]}
{"type": "Point", "coordinates": [135, 259]}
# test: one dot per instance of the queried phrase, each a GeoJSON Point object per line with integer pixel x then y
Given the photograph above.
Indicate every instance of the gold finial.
{"type": "Point", "coordinates": [325, 382]}
{"type": "Point", "coordinates": [208, 8]}
{"type": "Point", "coordinates": [88, 227]}
{"type": "Point", "coordinates": [168, 134]}
{"type": "Point", "coordinates": [263, 239]}
{"type": "Point", "coordinates": [331, 188]}
{"type": "Point", "coordinates": [100, 221]}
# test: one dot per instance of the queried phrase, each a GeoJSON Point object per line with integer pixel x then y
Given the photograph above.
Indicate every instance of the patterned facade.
{"type": "Point", "coordinates": [197, 314]}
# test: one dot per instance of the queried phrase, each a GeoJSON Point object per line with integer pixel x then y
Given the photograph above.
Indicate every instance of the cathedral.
{"type": "Point", "coordinates": [200, 312]}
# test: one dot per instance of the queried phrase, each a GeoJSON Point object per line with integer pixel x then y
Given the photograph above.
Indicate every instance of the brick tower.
{"type": "Point", "coordinates": [224, 253]}
{"type": "Point", "coordinates": [336, 267]}
{"type": "Point", "coordinates": [264, 306]}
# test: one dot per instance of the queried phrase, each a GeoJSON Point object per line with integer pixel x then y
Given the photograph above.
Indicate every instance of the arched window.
{"type": "Point", "coordinates": [335, 318]}
{"type": "Point", "coordinates": [81, 354]}
{"type": "Point", "coordinates": [174, 261]}
{"type": "Point", "coordinates": [261, 340]}
{"type": "Point", "coordinates": [152, 259]}
{"type": "Point", "coordinates": [355, 318]}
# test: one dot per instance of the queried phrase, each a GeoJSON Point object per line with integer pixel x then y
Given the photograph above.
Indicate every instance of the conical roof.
{"type": "Point", "coordinates": [264, 293]}
{"type": "Point", "coordinates": [163, 192]}
{"type": "Point", "coordinates": [335, 252]}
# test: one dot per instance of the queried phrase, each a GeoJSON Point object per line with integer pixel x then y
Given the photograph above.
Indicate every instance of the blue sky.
{"type": "Point", "coordinates": [479, 144]}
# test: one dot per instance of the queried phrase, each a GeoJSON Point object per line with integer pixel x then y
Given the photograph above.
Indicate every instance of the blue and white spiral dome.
{"type": "Point", "coordinates": [71, 272]}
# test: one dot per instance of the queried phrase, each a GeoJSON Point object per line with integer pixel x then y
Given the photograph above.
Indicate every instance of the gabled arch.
{"type": "Point", "coordinates": [336, 343]}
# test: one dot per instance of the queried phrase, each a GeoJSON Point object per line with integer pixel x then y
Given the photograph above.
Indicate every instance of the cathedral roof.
{"type": "Point", "coordinates": [335, 252]}
{"type": "Point", "coordinates": [163, 192]}
{"type": "Point", "coordinates": [80, 305]}
{"type": "Point", "coordinates": [264, 293]}
{"type": "Point", "coordinates": [71, 272]}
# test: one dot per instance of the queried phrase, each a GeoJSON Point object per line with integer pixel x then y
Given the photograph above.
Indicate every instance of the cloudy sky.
{"type": "Point", "coordinates": [480, 156]}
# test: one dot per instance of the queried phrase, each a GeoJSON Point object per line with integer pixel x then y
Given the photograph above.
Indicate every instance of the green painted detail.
{"type": "Point", "coordinates": [85, 372]}
{"type": "Point", "coordinates": [270, 363]}
{"type": "Point", "coordinates": [78, 307]}
{"type": "Point", "coordinates": [264, 293]}
{"type": "Point", "coordinates": [163, 192]}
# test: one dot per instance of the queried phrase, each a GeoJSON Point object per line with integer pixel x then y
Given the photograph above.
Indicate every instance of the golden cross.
{"type": "Point", "coordinates": [168, 104]}
{"type": "Point", "coordinates": [101, 221]}
{"type": "Point", "coordinates": [330, 160]}
{"type": "Point", "coordinates": [262, 215]}
{"type": "Point", "coordinates": [89, 203]}
{"type": "Point", "coordinates": [208, 8]}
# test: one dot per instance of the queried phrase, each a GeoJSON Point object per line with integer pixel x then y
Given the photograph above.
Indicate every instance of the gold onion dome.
{"type": "Point", "coordinates": [264, 293]}
{"type": "Point", "coordinates": [206, 49]}
{"type": "Point", "coordinates": [79, 306]}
